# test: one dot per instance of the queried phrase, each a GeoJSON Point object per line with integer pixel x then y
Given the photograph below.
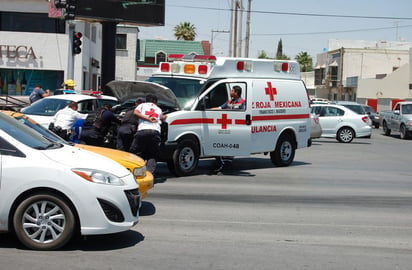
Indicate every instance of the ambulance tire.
{"type": "Point", "coordinates": [285, 151]}
{"type": "Point", "coordinates": [185, 158]}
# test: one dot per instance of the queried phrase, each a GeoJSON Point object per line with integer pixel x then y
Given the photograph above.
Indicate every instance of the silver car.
{"type": "Point", "coordinates": [316, 130]}
{"type": "Point", "coordinates": [342, 123]}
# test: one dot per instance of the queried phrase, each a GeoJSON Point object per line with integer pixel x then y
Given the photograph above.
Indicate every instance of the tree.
{"type": "Point", "coordinates": [305, 61]}
{"type": "Point", "coordinates": [279, 52]}
{"type": "Point", "coordinates": [185, 31]}
{"type": "Point", "coordinates": [263, 55]}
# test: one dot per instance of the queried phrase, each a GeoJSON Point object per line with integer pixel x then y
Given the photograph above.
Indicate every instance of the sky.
{"type": "Point", "coordinates": [302, 25]}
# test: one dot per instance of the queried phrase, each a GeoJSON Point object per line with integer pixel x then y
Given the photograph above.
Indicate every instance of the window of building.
{"type": "Point", "coordinates": [160, 57]}
{"type": "Point", "coordinates": [121, 41]}
{"type": "Point", "coordinates": [31, 22]}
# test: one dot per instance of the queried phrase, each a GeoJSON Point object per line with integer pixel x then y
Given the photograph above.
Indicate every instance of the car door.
{"type": "Point", "coordinates": [330, 119]}
{"type": "Point", "coordinates": [224, 131]}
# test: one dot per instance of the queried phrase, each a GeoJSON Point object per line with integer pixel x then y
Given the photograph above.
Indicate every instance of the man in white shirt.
{"type": "Point", "coordinates": [64, 120]}
{"type": "Point", "coordinates": [148, 130]}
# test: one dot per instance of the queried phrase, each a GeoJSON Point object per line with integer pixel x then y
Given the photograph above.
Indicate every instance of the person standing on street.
{"type": "Point", "coordinates": [64, 120]}
{"type": "Point", "coordinates": [128, 128]}
{"type": "Point", "coordinates": [148, 131]}
{"type": "Point", "coordinates": [38, 93]}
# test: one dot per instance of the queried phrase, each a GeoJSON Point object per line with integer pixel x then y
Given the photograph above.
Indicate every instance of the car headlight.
{"type": "Point", "coordinates": [99, 177]}
{"type": "Point", "coordinates": [140, 171]}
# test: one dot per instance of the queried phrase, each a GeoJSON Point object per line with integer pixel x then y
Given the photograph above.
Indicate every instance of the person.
{"type": "Point", "coordinates": [127, 129]}
{"type": "Point", "coordinates": [235, 103]}
{"type": "Point", "coordinates": [64, 120]}
{"type": "Point", "coordinates": [148, 131]}
{"type": "Point", "coordinates": [102, 124]}
{"type": "Point", "coordinates": [38, 93]}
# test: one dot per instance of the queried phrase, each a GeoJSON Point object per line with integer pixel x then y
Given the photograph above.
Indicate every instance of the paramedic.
{"type": "Point", "coordinates": [148, 131]}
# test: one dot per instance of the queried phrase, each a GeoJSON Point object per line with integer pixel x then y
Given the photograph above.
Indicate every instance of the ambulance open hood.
{"type": "Point", "coordinates": [127, 90]}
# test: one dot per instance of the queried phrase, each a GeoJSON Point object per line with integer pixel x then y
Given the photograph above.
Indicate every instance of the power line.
{"type": "Point", "coordinates": [333, 32]}
{"type": "Point", "coordinates": [301, 14]}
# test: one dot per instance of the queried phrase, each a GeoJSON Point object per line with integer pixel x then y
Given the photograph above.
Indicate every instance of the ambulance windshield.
{"type": "Point", "coordinates": [185, 90]}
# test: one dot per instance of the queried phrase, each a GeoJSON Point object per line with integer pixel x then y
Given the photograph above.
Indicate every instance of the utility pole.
{"type": "Point", "coordinates": [247, 38]}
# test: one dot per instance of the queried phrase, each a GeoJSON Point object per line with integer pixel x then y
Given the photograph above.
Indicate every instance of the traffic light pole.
{"type": "Point", "coordinates": [108, 52]}
{"type": "Point", "coordinates": [70, 62]}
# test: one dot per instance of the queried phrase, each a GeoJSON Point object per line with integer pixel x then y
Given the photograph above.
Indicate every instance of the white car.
{"type": "Point", "coordinates": [342, 123]}
{"type": "Point", "coordinates": [51, 191]}
{"type": "Point", "coordinates": [43, 111]}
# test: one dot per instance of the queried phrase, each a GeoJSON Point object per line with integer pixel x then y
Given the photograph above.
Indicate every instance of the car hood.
{"type": "Point", "coordinates": [75, 157]}
{"type": "Point", "coordinates": [126, 90]}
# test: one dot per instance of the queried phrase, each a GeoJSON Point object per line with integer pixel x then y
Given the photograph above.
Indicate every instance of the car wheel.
{"type": "Point", "coordinates": [385, 128]}
{"type": "Point", "coordinates": [185, 158]}
{"type": "Point", "coordinates": [285, 151]}
{"type": "Point", "coordinates": [44, 222]}
{"type": "Point", "coordinates": [403, 132]}
{"type": "Point", "coordinates": [376, 125]}
{"type": "Point", "coordinates": [345, 135]}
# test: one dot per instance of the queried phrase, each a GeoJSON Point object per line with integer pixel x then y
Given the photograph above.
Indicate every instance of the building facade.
{"type": "Point", "coordinates": [339, 70]}
{"type": "Point", "coordinates": [36, 49]}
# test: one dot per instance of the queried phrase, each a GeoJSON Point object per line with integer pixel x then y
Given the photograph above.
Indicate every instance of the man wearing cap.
{"type": "Point", "coordinates": [127, 128]}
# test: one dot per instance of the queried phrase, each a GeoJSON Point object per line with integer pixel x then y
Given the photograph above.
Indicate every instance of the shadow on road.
{"type": "Point", "coordinates": [90, 243]}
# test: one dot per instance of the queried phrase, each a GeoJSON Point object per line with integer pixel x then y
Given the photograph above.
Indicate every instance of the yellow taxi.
{"type": "Point", "coordinates": [135, 164]}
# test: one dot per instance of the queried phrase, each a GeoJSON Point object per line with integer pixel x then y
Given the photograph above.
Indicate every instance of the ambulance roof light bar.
{"type": "Point", "coordinates": [192, 58]}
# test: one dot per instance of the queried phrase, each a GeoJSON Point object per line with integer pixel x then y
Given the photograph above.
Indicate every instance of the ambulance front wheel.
{"type": "Point", "coordinates": [185, 158]}
{"type": "Point", "coordinates": [285, 151]}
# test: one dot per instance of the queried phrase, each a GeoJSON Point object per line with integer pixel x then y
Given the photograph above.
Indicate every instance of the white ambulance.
{"type": "Point", "coordinates": [276, 118]}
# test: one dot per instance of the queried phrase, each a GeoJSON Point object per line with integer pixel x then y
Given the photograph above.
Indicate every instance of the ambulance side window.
{"type": "Point", "coordinates": [216, 97]}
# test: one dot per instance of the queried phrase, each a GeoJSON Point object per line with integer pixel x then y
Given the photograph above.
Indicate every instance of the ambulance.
{"type": "Point", "coordinates": [275, 121]}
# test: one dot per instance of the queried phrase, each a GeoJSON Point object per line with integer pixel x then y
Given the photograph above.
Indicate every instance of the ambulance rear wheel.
{"type": "Point", "coordinates": [285, 151]}
{"type": "Point", "coordinates": [185, 158]}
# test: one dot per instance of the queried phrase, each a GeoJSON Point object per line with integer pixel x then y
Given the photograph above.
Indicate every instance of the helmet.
{"type": "Point", "coordinates": [69, 83]}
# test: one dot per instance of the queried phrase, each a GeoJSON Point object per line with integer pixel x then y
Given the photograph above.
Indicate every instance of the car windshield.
{"type": "Point", "coordinates": [356, 108]}
{"type": "Point", "coordinates": [46, 107]}
{"type": "Point", "coordinates": [25, 134]}
{"type": "Point", "coordinates": [185, 90]}
{"type": "Point", "coordinates": [40, 129]}
{"type": "Point", "coordinates": [368, 109]}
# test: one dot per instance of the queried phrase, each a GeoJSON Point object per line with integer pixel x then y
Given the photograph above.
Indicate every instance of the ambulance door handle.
{"type": "Point", "coordinates": [248, 120]}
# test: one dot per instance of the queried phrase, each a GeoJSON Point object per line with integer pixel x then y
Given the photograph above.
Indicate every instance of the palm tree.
{"type": "Point", "coordinates": [185, 31]}
{"type": "Point", "coordinates": [305, 61]}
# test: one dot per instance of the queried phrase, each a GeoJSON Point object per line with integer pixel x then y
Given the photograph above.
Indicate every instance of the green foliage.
{"type": "Point", "coordinates": [263, 55]}
{"type": "Point", "coordinates": [305, 61]}
{"type": "Point", "coordinates": [185, 31]}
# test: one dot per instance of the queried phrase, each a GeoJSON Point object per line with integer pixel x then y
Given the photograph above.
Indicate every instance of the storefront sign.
{"type": "Point", "coordinates": [17, 52]}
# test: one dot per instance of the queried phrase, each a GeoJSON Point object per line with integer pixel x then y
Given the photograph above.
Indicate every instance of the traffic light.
{"type": "Point", "coordinates": [77, 42]}
{"type": "Point", "coordinates": [70, 9]}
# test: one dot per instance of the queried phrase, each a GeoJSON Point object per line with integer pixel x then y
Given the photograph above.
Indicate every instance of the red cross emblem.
{"type": "Point", "coordinates": [224, 121]}
{"type": "Point", "coordinates": [151, 113]}
{"type": "Point", "coordinates": [271, 91]}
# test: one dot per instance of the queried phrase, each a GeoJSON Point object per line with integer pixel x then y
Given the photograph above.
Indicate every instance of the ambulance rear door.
{"type": "Point", "coordinates": [227, 132]}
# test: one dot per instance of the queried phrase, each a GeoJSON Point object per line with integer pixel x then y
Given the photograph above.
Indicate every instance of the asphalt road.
{"type": "Point", "coordinates": [338, 206]}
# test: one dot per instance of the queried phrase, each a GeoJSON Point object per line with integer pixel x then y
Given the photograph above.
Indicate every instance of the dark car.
{"type": "Point", "coordinates": [372, 115]}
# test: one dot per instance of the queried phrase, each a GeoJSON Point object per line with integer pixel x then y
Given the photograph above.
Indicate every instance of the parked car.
{"type": "Point", "coordinates": [133, 163]}
{"type": "Point", "coordinates": [316, 130]}
{"type": "Point", "coordinates": [44, 110]}
{"type": "Point", "coordinates": [50, 191]}
{"type": "Point", "coordinates": [356, 107]}
{"type": "Point", "coordinates": [341, 123]}
{"type": "Point", "coordinates": [398, 120]}
{"type": "Point", "coordinates": [372, 115]}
